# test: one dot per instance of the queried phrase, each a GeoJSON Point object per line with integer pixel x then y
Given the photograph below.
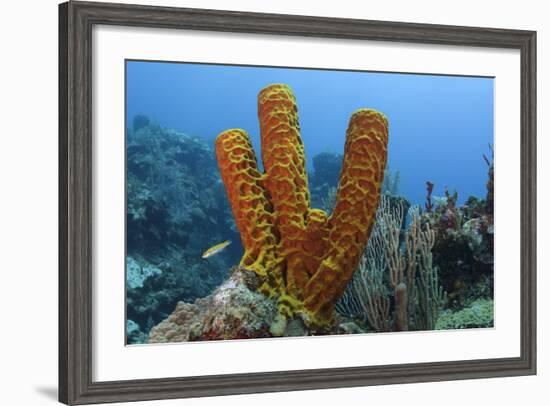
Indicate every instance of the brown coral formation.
{"type": "Point", "coordinates": [303, 257]}
{"type": "Point", "coordinates": [232, 311]}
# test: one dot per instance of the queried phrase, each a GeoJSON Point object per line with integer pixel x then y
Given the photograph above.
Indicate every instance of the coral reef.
{"type": "Point", "coordinates": [175, 199]}
{"type": "Point", "coordinates": [490, 181]}
{"type": "Point", "coordinates": [140, 121]}
{"type": "Point", "coordinates": [181, 325]}
{"type": "Point", "coordinates": [133, 333]}
{"type": "Point", "coordinates": [367, 297]}
{"type": "Point", "coordinates": [176, 208]}
{"type": "Point", "coordinates": [138, 271]}
{"type": "Point", "coordinates": [302, 256]}
{"type": "Point", "coordinates": [234, 310]}
{"type": "Point", "coordinates": [391, 181]}
{"type": "Point", "coordinates": [417, 295]}
{"type": "Point", "coordinates": [478, 314]}
{"type": "Point", "coordinates": [179, 279]}
{"type": "Point", "coordinates": [429, 189]}
{"type": "Point", "coordinates": [463, 249]}
{"type": "Point", "coordinates": [440, 268]}
{"type": "Point", "coordinates": [312, 243]}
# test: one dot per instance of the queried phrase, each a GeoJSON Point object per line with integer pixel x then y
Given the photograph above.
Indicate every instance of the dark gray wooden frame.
{"type": "Point", "coordinates": [76, 20]}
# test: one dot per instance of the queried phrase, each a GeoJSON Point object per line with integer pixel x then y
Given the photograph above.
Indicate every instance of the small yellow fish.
{"type": "Point", "coordinates": [215, 249]}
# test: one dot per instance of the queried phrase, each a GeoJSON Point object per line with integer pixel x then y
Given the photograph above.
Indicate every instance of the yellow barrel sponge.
{"type": "Point", "coordinates": [303, 256]}
{"type": "Point", "coordinates": [250, 206]}
{"type": "Point", "coordinates": [283, 158]}
{"type": "Point", "coordinates": [354, 213]}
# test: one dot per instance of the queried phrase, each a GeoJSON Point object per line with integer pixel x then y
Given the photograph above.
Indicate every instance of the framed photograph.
{"type": "Point", "coordinates": [258, 202]}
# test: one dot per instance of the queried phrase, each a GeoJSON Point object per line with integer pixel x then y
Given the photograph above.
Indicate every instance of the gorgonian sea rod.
{"type": "Point", "coordinates": [303, 257]}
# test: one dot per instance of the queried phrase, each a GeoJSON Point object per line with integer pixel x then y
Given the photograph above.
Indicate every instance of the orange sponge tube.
{"type": "Point", "coordinates": [301, 255]}
{"type": "Point", "coordinates": [285, 177]}
{"type": "Point", "coordinates": [250, 206]}
{"type": "Point", "coordinates": [353, 216]}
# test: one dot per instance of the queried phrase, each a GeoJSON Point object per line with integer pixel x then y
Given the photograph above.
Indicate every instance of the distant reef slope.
{"type": "Point", "coordinates": [176, 209]}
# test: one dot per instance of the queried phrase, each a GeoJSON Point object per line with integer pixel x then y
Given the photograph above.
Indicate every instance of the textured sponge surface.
{"type": "Point", "coordinates": [302, 256]}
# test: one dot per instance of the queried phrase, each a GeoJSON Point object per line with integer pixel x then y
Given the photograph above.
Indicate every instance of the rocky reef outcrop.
{"type": "Point", "coordinates": [464, 248]}
{"type": "Point", "coordinates": [176, 208]}
{"type": "Point", "coordinates": [235, 310]}
{"type": "Point", "coordinates": [174, 194]}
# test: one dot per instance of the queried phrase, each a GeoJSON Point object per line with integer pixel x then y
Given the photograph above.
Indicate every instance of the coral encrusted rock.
{"type": "Point", "coordinates": [232, 311]}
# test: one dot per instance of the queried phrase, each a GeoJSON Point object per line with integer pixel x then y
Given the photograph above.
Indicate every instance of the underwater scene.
{"type": "Point", "coordinates": [268, 202]}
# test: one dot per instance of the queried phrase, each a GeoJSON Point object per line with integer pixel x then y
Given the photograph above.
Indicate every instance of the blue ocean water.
{"type": "Point", "coordinates": [440, 126]}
